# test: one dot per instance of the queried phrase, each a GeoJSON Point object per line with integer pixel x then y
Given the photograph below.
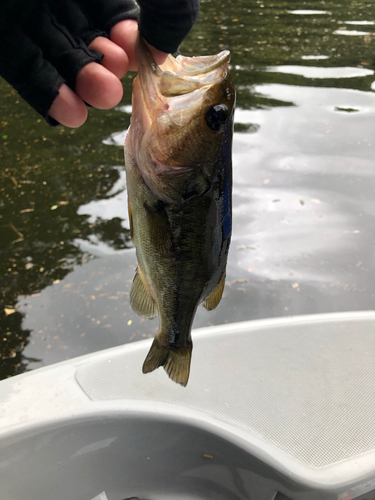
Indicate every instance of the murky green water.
{"type": "Point", "coordinates": [304, 188]}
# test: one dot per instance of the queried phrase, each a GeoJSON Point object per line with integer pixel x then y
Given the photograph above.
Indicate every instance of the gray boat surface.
{"type": "Point", "coordinates": [275, 409]}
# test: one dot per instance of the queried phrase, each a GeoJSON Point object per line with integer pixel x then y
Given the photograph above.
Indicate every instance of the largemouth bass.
{"type": "Point", "coordinates": [179, 181]}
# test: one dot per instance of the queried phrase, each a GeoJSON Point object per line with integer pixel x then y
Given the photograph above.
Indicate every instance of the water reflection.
{"type": "Point", "coordinates": [110, 218]}
{"type": "Point", "coordinates": [345, 32]}
{"type": "Point", "coordinates": [317, 72]}
{"type": "Point", "coordinates": [40, 226]}
{"type": "Point", "coordinates": [303, 237]}
{"type": "Point", "coordinates": [309, 12]}
{"type": "Point", "coordinates": [361, 23]}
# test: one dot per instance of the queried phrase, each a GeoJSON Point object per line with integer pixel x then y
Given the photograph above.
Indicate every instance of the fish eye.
{"type": "Point", "coordinates": [217, 116]}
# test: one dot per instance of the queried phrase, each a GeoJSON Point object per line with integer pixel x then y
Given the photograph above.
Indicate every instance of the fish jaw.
{"type": "Point", "coordinates": [177, 76]}
{"type": "Point", "coordinates": [177, 88]}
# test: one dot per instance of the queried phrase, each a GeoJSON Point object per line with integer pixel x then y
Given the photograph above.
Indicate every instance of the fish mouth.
{"type": "Point", "coordinates": [180, 82]}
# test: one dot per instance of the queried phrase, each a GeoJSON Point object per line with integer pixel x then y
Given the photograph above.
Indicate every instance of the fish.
{"type": "Point", "coordinates": [178, 162]}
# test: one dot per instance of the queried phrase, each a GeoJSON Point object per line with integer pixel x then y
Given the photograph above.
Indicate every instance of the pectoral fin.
{"type": "Point", "coordinates": [140, 299]}
{"type": "Point", "coordinates": [213, 300]}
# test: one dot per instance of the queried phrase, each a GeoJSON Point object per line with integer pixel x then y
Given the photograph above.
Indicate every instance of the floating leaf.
{"type": "Point", "coordinates": [54, 207]}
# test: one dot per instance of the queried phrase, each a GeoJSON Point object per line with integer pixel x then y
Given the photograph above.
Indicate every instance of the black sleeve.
{"type": "Point", "coordinates": [165, 23]}
{"type": "Point", "coordinates": [106, 13]}
{"type": "Point", "coordinates": [13, 13]}
{"type": "Point", "coordinates": [23, 66]}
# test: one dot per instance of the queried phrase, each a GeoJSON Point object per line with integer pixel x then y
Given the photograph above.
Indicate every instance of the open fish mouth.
{"type": "Point", "coordinates": [179, 81]}
{"type": "Point", "coordinates": [182, 116]}
{"type": "Point", "coordinates": [193, 73]}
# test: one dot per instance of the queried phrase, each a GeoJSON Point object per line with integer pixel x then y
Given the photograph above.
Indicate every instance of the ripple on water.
{"type": "Point", "coordinates": [346, 32]}
{"type": "Point", "coordinates": [308, 12]}
{"type": "Point", "coordinates": [316, 58]}
{"type": "Point", "coordinates": [361, 23]}
{"type": "Point", "coordinates": [319, 72]}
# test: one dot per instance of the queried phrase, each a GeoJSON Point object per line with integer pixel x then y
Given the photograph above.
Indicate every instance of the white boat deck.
{"type": "Point", "coordinates": [296, 396]}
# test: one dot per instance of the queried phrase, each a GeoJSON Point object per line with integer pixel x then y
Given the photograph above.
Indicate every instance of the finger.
{"type": "Point", "coordinates": [125, 34]}
{"type": "Point", "coordinates": [115, 58]}
{"type": "Point", "coordinates": [98, 87]}
{"type": "Point", "coordinates": [158, 55]}
{"type": "Point", "coordinates": [68, 109]}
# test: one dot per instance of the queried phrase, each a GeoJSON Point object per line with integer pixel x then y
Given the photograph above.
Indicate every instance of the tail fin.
{"type": "Point", "coordinates": [175, 360]}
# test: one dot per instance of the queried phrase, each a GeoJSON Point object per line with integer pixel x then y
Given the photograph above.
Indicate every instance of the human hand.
{"type": "Point", "coordinates": [61, 54]}
{"type": "Point", "coordinates": [99, 84]}
{"type": "Point", "coordinates": [57, 54]}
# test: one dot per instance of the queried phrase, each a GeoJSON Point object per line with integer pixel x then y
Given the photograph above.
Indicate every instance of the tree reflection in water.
{"type": "Point", "coordinates": [43, 182]}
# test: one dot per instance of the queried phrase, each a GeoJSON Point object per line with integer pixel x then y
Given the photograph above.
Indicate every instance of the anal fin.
{"type": "Point", "coordinates": [140, 299]}
{"type": "Point", "coordinates": [175, 360]}
{"type": "Point", "coordinates": [212, 301]}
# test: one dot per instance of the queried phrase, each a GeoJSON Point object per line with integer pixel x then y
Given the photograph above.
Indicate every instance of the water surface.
{"type": "Point", "coordinates": [304, 189]}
